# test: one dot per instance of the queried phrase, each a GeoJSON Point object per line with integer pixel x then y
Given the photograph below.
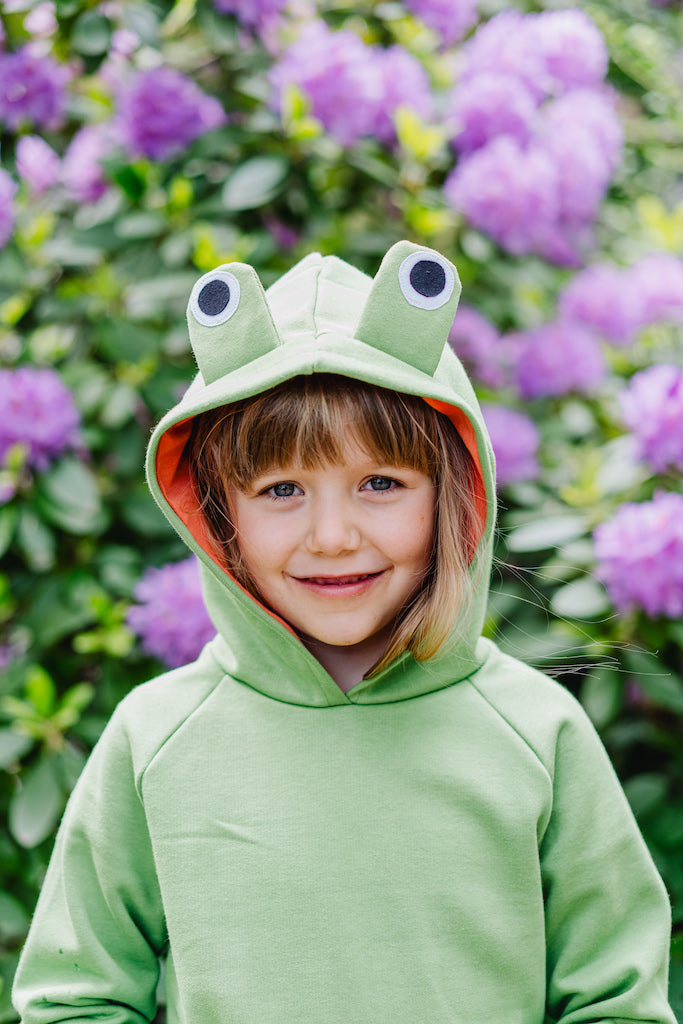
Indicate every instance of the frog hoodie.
{"type": "Point", "coordinates": [446, 843]}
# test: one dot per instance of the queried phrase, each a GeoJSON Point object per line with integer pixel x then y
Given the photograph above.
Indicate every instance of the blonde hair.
{"type": "Point", "coordinates": [307, 420]}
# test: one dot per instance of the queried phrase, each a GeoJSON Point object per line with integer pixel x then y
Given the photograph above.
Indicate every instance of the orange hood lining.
{"type": "Point", "coordinates": [174, 477]}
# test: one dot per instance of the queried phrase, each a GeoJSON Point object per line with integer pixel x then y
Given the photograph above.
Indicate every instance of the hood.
{"type": "Point", "coordinates": [323, 316]}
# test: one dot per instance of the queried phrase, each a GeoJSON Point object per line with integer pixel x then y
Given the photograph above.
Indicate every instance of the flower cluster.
{"type": "Point", "coordinates": [32, 90]}
{"type": "Point", "coordinates": [161, 111]}
{"type": "Point", "coordinates": [515, 441]}
{"type": "Point", "coordinates": [450, 19]}
{"type": "Point", "coordinates": [618, 302]}
{"type": "Point", "coordinates": [253, 14]}
{"type": "Point", "coordinates": [38, 412]}
{"type": "Point", "coordinates": [556, 359]}
{"type": "Point", "coordinates": [354, 89]}
{"type": "Point", "coordinates": [37, 163]}
{"type": "Point", "coordinates": [170, 618]}
{"type": "Point", "coordinates": [477, 343]}
{"type": "Point", "coordinates": [7, 190]}
{"type": "Point", "coordinates": [640, 556]}
{"type": "Point", "coordinates": [536, 130]}
{"type": "Point", "coordinates": [82, 171]}
{"type": "Point", "coordinates": [652, 407]}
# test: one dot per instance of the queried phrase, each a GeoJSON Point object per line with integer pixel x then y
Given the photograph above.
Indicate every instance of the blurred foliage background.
{"type": "Point", "coordinates": [144, 143]}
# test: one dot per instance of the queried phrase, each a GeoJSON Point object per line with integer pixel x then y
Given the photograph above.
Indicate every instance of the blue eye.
{"type": "Point", "coordinates": [284, 490]}
{"type": "Point", "coordinates": [380, 483]}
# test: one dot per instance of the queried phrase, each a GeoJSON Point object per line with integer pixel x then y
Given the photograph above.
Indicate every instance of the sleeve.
{"type": "Point", "coordinates": [608, 921]}
{"type": "Point", "coordinates": [93, 948]}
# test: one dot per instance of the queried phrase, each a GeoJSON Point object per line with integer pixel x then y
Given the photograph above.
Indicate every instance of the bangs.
{"type": "Point", "coordinates": [309, 421]}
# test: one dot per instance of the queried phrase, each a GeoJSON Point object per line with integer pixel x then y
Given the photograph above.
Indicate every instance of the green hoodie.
{"type": "Point", "coordinates": [446, 842]}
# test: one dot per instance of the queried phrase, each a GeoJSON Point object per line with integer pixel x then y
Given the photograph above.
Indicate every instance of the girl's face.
{"type": "Point", "coordinates": [337, 551]}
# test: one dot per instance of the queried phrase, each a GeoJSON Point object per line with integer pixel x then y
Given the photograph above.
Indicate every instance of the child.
{"type": "Point", "coordinates": [351, 809]}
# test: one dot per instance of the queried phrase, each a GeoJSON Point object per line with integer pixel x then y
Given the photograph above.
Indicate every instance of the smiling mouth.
{"type": "Point", "coordinates": [340, 581]}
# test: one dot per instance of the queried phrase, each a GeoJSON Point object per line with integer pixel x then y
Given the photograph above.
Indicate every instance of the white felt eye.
{"type": "Point", "coordinates": [427, 281]}
{"type": "Point", "coordinates": [215, 297]}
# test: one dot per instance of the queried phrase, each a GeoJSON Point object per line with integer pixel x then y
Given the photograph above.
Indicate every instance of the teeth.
{"type": "Point", "coordinates": [339, 582]}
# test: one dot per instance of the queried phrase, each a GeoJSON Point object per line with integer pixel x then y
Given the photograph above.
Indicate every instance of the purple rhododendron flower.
{"type": "Point", "coordinates": [38, 412]}
{"type": "Point", "coordinates": [550, 52]}
{"type": "Point", "coordinates": [254, 14]}
{"type": "Point", "coordinates": [573, 49]}
{"type": "Point", "coordinates": [556, 359]}
{"type": "Point", "coordinates": [600, 298]}
{"type": "Point", "coordinates": [531, 117]}
{"type": "Point", "coordinates": [652, 407]}
{"type": "Point", "coordinates": [32, 90]}
{"type": "Point", "coordinates": [658, 281]}
{"type": "Point", "coordinates": [640, 556]}
{"type": "Point", "coordinates": [41, 20]}
{"type": "Point", "coordinates": [507, 44]}
{"type": "Point", "coordinates": [510, 192]}
{"type": "Point", "coordinates": [619, 302]}
{"type": "Point", "coordinates": [161, 111]}
{"type": "Point", "coordinates": [404, 83]}
{"type": "Point", "coordinates": [37, 163]}
{"type": "Point", "coordinates": [582, 133]}
{"type": "Point", "coordinates": [170, 618]}
{"type": "Point", "coordinates": [450, 19]}
{"type": "Point", "coordinates": [354, 89]}
{"type": "Point", "coordinates": [515, 441]}
{"type": "Point", "coordinates": [476, 341]}
{"type": "Point", "coordinates": [8, 187]}
{"type": "Point", "coordinates": [488, 105]}
{"type": "Point", "coordinates": [82, 172]}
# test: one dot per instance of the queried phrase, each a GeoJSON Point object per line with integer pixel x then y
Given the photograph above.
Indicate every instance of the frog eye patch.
{"type": "Point", "coordinates": [215, 297]}
{"type": "Point", "coordinates": [426, 280]}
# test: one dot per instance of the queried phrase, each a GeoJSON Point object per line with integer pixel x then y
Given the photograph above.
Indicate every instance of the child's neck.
{"type": "Point", "coordinates": [348, 665]}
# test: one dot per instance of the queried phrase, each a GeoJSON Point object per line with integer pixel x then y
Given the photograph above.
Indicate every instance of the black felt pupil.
{"type": "Point", "coordinates": [213, 298]}
{"type": "Point", "coordinates": [428, 278]}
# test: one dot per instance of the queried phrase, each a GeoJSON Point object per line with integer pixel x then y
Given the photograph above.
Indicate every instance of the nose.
{"type": "Point", "coordinates": [332, 529]}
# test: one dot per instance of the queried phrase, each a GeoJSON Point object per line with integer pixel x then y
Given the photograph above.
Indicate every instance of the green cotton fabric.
{"type": "Point", "coordinates": [446, 843]}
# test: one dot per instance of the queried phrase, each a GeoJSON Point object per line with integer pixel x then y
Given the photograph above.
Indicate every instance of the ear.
{"type": "Point", "coordinates": [411, 305]}
{"type": "Point", "coordinates": [229, 320]}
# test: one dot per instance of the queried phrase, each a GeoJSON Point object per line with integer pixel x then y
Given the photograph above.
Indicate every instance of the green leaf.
{"type": "Point", "coordinates": [69, 498]}
{"type": "Point", "coordinates": [119, 569]}
{"type": "Point", "coordinates": [61, 606]}
{"type": "Point", "coordinates": [662, 687]}
{"type": "Point", "coordinates": [601, 696]}
{"type": "Point", "coordinates": [35, 808]}
{"type": "Point", "coordinates": [119, 407]}
{"type": "Point", "coordinates": [40, 690]}
{"type": "Point", "coordinates": [91, 35]}
{"type": "Point", "coordinates": [36, 541]}
{"type": "Point", "coordinates": [546, 533]}
{"type": "Point", "coordinates": [14, 920]}
{"type": "Point", "coordinates": [142, 514]}
{"type": "Point", "coordinates": [8, 523]}
{"type": "Point", "coordinates": [13, 746]}
{"type": "Point", "coordinates": [139, 225]}
{"type": "Point", "coordinates": [255, 182]}
{"type": "Point", "coordinates": [581, 599]}
{"type": "Point", "coordinates": [646, 792]}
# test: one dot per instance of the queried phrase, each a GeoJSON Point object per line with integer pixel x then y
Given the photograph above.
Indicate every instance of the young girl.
{"type": "Point", "coordinates": [351, 809]}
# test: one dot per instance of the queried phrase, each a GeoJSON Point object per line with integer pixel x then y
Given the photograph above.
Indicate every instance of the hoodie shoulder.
{"type": "Point", "coordinates": [536, 707]}
{"type": "Point", "coordinates": [153, 711]}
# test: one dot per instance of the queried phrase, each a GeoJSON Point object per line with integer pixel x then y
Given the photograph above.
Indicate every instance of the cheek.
{"type": "Point", "coordinates": [414, 535]}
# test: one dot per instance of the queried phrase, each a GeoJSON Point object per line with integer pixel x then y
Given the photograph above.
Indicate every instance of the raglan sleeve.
{"type": "Point", "coordinates": [93, 948]}
{"type": "Point", "coordinates": [606, 910]}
